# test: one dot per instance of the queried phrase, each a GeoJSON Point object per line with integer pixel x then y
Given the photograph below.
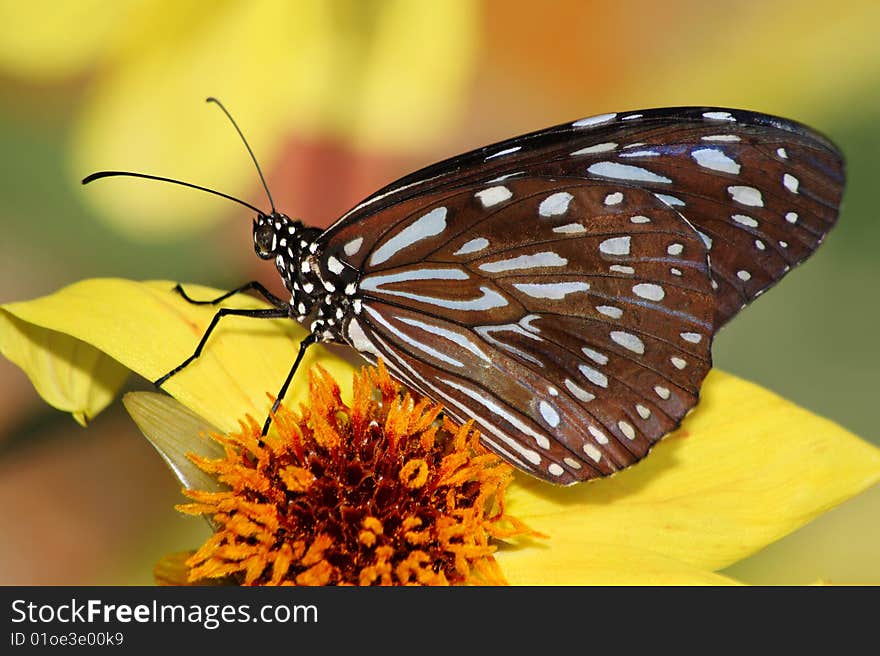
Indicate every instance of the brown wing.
{"type": "Point", "coordinates": [571, 320]}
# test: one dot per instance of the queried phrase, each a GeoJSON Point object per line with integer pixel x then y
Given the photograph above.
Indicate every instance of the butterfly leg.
{"type": "Point", "coordinates": [303, 345]}
{"type": "Point", "coordinates": [272, 313]}
{"type": "Point", "coordinates": [252, 285]}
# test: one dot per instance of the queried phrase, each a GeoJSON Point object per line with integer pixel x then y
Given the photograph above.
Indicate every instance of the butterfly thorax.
{"type": "Point", "coordinates": [319, 297]}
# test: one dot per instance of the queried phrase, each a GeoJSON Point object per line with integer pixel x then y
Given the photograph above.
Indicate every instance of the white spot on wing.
{"type": "Point", "coordinates": [718, 116]}
{"type": "Point", "coordinates": [429, 225]}
{"type": "Point", "coordinates": [595, 377]}
{"type": "Point", "coordinates": [488, 299]}
{"type": "Point", "coordinates": [472, 246]}
{"type": "Point", "coordinates": [548, 412]}
{"type": "Point", "coordinates": [334, 265]}
{"type": "Point", "coordinates": [534, 261]}
{"type": "Point", "coordinates": [626, 172]}
{"type": "Point", "coordinates": [628, 431]}
{"type": "Point", "coordinates": [672, 201]}
{"type": "Point", "coordinates": [791, 183]}
{"type": "Point", "coordinates": [649, 291]}
{"type": "Point", "coordinates": [593, 120]}
{"type": "Point", "coordinates": [595, 356]}
{"type": "Point", "coordinates": [615, 246]}
{"type": "Point", "coordinates": [721, 137]}
{"type": "Point", "coordinates": [662, 392]}
{"type": "Point", "coordinates": [451, 335]}
{"type": "Point", "coordinates": [358, 339]}
{"type": "Point", "coordinates": [640, 153]}
{"type": "Point", "coordinates": [614, 199]}
{"type": "Point", "coordinates": [580, 393]}
{"type": "Point", "coordinates": [569, 229]}
{"type": "Point", "coordinates": [716, 160]}
{"type": "Point", "coordinates": [791, 217]}
{"type": "Point", "coordinates": [592, 452]}
{"type": "Point", "coordinates": [745, 220]}
{"type": "Point", "coordinates": [555, 204]}
{"type": "Point", "coordinates": [601, 437]}
{"type": "Point", "coordinates": [352, 247]}
{"type": "Point", "coordinates": [373, 282]}
{"type": "Point", "coordinates": [598, 148]}
{"type": "Point", "coordinates": [487, 333]}
{"type": "Point", "coordinates": [506, 176]}
{"type": "Point", "coordinates": [552, 290]}
{"type": "Point", "coordinates": [746, 195]}
{"type": "Point", "coordinates": [494, 195]}
{"type": "Point", "coordinates": [497, 410]}
{"type": "Point", "coordinates": [628, 341]}
{"type": "Point", "coordinates": [423, 347]}
{"type": "Point", "coordinates": [610, 311]}
{"type": "Point", "coordinates": [506, 151]}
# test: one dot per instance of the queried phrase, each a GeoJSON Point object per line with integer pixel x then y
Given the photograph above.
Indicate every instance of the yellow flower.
{"type": "Point", "coordinates": [746, 467]}
{"type": "Point", "coordinates": [343, 69]}
{"type": "Point", "coordinates": [379, 492]}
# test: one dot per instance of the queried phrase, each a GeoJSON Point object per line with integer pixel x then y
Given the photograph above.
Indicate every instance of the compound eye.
{"type": "Point", "coordinates": [264, 240]}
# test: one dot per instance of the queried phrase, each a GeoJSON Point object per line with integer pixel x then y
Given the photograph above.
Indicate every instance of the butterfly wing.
{"type": "Point", "coordinates": [563, 288]}
{"type": "Point", "coordinates": [571, 319]}
{"type": "Point", "coordinates": [763, 191]}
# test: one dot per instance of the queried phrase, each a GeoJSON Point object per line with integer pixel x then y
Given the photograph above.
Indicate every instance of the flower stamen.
{"type": "Point", "coordinates": [385, 491]}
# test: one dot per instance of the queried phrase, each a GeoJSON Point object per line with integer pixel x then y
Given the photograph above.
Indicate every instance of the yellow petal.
{"type": "Point", "coordinates": [175, 432]}
{"type": "Point", "coordinates": [150, 330]}
{"type": "Point", "coordinates": [50, 40]}
{"type": "Point", "coordinates": [379, 74]}
{"type": "Point", "coordinates": [568, 562]}
{"type": "Point", "coordinates": [746, 468]}
{"type": "Point", "coordinates": [68, 373]}
{"type": "Point", "coordinates": [812, 74]}
{"type": "Point", "coordinates": [147, 112]}
{"type": "Point", "coordinates": [414, 75]}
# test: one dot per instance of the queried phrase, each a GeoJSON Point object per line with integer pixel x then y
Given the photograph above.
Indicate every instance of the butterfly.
{"type": "Point", "coordinates": [561, 288]}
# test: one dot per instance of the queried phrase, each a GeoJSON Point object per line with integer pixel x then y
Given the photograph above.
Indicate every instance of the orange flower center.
{"type": "Point", "coordinates": [382, 492]}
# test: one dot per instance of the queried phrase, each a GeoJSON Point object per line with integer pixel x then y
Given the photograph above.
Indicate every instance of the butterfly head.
{"type": "Point", "coordinates": [275, 234]}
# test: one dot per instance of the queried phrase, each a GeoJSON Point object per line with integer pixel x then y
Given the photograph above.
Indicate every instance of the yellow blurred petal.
{"type": "Point", "coordinates": [746, 468]}
{"type": "Point", "coordinates": [807, 43]}
{"type": "Point", "coordinates": [270, 62]}
{"type": "Point", "coordinates": [175, 432]}
{"type": "Point", "coordinates": [415, 74]}
{"type": "Point", "coordinates": [51, 40]}
{"type": "Point", "coordinates": [384, 74]}
{"type": "Point", "coordinates": [150, 330]}
{"type": "Point", "coordinates": [569, 562]}
{"type": "Point", "coordinates": [69, 374]}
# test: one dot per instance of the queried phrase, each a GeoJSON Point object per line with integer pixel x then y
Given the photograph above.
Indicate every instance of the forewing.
{"type": "Point", "coordinates": [762, 190]}
{"type": "Point", "coordinates": [572, 319]}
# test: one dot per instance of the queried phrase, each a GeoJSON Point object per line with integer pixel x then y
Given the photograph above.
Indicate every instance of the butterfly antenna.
{"type": "Point", "coordinates": [111, 174]}
{"type": "Point", "coordinates": [246, 145]}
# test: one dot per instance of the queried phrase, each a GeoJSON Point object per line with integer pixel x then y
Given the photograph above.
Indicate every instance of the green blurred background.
{"type": "Point", "coordinates": [338, 98]}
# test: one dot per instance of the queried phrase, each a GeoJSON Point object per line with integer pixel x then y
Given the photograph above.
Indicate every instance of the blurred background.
{"type": "Point", "coordinates": [337, 98]}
